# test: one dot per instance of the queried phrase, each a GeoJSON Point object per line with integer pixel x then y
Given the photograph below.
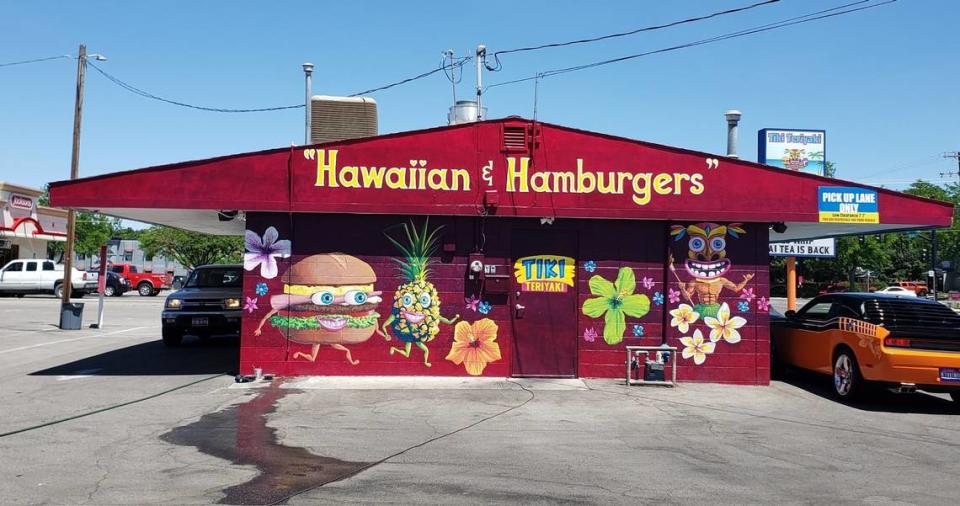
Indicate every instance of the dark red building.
{"type": "Point", "coordinates": [500, 248]}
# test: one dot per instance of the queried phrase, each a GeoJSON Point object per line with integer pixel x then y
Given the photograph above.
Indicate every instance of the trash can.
{"type": "Point", "coordinates": [71, 315]}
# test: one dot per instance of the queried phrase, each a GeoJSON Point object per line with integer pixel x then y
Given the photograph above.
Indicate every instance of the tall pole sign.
{"type": "Point", "coordinates": [798, 150]}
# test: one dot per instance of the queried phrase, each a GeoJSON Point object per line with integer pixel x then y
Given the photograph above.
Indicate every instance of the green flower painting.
{"type": "Point", "coordinates": [615, 301]}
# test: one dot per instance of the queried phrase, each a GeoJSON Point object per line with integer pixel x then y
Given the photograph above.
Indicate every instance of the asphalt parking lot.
{"type": "Point", "coordinates": [196, 437]}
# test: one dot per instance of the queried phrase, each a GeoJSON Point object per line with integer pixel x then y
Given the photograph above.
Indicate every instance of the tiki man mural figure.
{"type": "Point", "coordinates": [706, 263]}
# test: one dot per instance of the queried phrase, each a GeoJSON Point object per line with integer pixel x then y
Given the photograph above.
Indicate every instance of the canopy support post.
{"type": "Point", "coordinates": [791, 283]}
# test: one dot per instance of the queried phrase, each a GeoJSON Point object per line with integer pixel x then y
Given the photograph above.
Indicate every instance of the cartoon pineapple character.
{"type": "Point", "coordinates": [415, 315]}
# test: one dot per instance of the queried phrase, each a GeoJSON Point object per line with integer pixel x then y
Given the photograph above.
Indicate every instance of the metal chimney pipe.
{"type": "Point", "coordinates": [733, 118]}
{"type": "Point", "coordinates": [481, 55]}
{"type": "Point", "coordinates": [308, 74]}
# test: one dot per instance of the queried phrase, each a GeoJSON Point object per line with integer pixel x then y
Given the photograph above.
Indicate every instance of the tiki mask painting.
{"type": "Point", "coordinates": [706, 264]}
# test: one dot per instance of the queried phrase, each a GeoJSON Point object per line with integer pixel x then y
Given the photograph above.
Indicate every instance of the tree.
{"type": "Point", "coordinates": [829, 169]}
{"type": "Point", "coordinates": [91, 231]}
{"type": "Point", "coordinates": [191, 249]}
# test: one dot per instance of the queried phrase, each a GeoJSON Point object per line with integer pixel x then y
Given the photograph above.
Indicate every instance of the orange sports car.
{"type": "Point", "coordinates": [901, 342]}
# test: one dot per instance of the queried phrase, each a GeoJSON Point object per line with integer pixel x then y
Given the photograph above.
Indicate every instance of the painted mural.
{"type": "Point", "coordinates": [614, 302]}
{"type": "Point", "coordinates": [316, 303]}
{"type": "Point", "coordinates": [475, 345]}
{"type": "Point", "coordinates": [328, 299]}
{"type": "Point", "coordinates": [415, 315]}
{"type": "Point", "coordinates": [263, 252]}
{"type": "Point", "coordinates": [706, 264]}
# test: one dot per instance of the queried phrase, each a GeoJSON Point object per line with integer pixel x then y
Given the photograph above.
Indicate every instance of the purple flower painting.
{"type": "Point", "coordinates": [263, 252]}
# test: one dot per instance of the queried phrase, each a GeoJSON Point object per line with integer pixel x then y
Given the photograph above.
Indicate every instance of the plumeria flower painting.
{"type": "Point", "coordinates": [251, 304]}
{"type": "Point", "coordinates": [743, 306]}
{"type": "Point", "coordinates": [724, 326]}
{"type": "Point", "coordinates": [683, 317]}
{"type": "Point", "coordinates": [695, 346]}
{"type": "Point", "coordinates": [747, 294]}
{"type": "Point", "coordinates": [263, 252]}
{"type": "Point", "coordinates": [484, 307]}
{"type": "Point", "coordinates": [638, 331]}
{"type": "Point", "coordinates": [261, 289]}
{"type": "Point", "coordinates": [589, 266]}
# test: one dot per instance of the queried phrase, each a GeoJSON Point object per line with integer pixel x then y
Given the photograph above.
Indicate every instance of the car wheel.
{"type": "Point", "coordinates": [172, 337]}
{"type": "Point", "coordinates": [145, 290]}
{"type": "Point", "coordinates": [58, 291]}
{"type": "Point", "coordinates": [109, 291]}
{"type": "Point", "coordinates": [21, 295]}
{"type": "Point", "coordinates": [847, 381]}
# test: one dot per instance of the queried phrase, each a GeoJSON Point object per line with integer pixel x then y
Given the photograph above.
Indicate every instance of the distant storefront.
{"type": "Point", "coordinates": [128, 251]}
{"type": "Point", "coordinates": [25, 226]}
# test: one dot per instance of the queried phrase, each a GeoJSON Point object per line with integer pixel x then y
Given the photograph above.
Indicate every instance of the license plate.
{"type": "Point", "coordinates": [203, 322]}
{"type": "Point", "coordinates": [950, 374]}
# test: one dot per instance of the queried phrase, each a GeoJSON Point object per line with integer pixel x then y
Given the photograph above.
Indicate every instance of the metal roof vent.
{"type": "Point", "coordinates": [341, 118]}
{"type": "Point", "coordinates": [515, 138]}
{"type": "Point", "coordinates": [464, 111]}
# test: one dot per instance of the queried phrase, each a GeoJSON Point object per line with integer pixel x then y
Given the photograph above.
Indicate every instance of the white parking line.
{"type": "Point", "coordinates": [11, 350]}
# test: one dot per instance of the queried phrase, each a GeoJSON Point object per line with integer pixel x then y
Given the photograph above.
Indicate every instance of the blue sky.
{"type": "Point", "coordinates": [882, 83]}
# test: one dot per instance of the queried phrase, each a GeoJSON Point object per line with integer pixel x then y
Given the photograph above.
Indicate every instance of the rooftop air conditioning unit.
{"type": "Point", "coordinates": [341, 118]}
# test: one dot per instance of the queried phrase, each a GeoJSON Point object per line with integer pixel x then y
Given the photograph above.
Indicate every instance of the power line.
{"type": "Point", "coordinates": [35, 60]}
{"type": "Point", "coordinates": [671, 24]}
{"type": "Point", "coordinates": [443, 67]}
{"type": "Point", "coordinates": [146, 94]}
{"type": "Point", "coordinates": [459, 62]}
{"type": "Point", "coordinates": [806, 18]}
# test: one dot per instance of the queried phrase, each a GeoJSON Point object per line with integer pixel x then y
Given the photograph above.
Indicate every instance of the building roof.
{"type": "Point", "coordinates": [506, 167]}
{"type": "Point", "coordinates": [26, 190]}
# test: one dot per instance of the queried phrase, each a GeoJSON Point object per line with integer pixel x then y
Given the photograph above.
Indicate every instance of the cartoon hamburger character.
{"type": "Point", "coordinates": [327, 299]}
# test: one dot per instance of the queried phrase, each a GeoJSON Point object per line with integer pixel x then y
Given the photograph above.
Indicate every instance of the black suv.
{"type": "Point", "coordinates": [208, 304]}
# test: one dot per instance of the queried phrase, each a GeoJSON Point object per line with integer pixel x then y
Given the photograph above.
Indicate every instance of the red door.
{"type": "Point", "coordinates": [545, 307]}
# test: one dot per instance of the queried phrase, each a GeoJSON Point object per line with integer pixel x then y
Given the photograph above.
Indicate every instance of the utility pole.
{"type": "Point", "coordinates": [308, 103]}
{"type": "Point", "coordinates": [453, 76]}
{"type": "Point", "coordinates": [956, 156]}
{"type": "Point", "coordinates": [933, 262]}
{"type": "Point", "coordinates": [74, 172]}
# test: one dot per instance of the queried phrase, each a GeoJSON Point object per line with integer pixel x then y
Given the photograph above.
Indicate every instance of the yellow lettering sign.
{"type": "Point", "coordinates": [544, 273]}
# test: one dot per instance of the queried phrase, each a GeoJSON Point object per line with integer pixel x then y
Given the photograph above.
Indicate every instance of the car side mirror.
{"type": "Point", "coordinates": [790, 314]}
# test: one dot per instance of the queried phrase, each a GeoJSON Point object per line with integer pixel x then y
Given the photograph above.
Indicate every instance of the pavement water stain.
{"type": "Point", "coordinates": [240, 434]}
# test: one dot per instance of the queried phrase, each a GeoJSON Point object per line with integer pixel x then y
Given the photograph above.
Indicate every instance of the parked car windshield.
{"type": "Point", "coordinates": [216, 277]}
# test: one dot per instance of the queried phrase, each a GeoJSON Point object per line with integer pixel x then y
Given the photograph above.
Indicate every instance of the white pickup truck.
{"type": "Point", "coordinates": [22, 277]}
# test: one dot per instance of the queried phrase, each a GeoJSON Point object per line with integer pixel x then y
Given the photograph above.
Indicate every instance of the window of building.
{"type": "Point", "coordinates": [128, 256]}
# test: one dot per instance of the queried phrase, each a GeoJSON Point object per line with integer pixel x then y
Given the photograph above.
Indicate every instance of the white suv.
{"type": "Point", "coordinates": [21, 277]}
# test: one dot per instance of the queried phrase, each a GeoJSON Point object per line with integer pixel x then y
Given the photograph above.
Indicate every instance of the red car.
{"type": "Point", "coordinates": [146, 283]}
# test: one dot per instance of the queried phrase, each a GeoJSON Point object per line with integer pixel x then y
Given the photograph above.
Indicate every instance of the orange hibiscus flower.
{"type": "Point", "coordinates": [475, 345]}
